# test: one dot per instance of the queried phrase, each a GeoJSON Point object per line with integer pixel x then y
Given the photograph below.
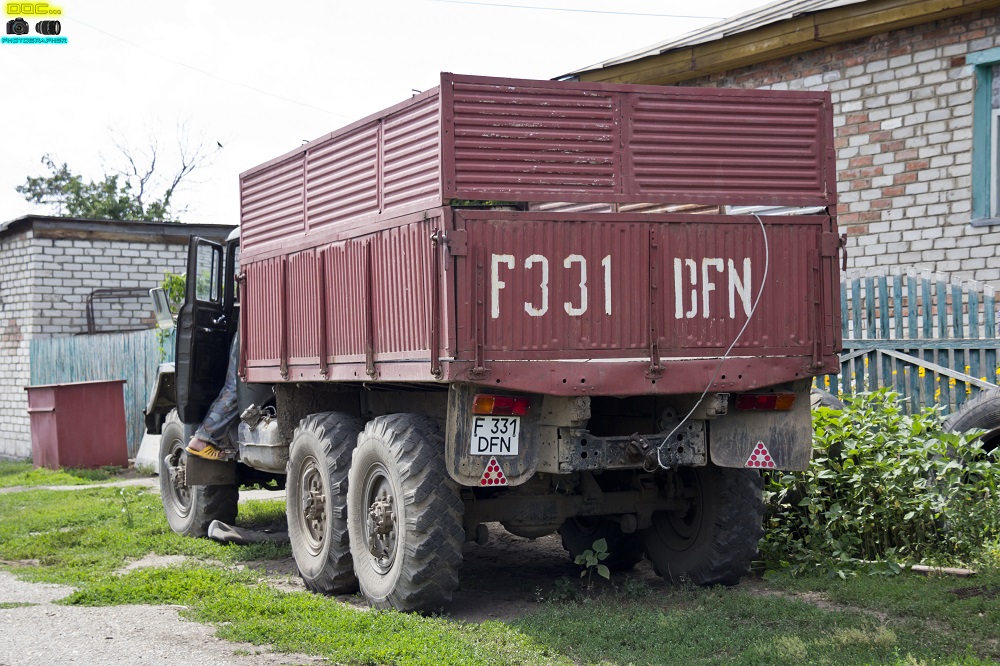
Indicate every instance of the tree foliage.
{"type": "Point", "coordinates": [139, 190]}
{"type": "Point", "coordinates": [108, 199]}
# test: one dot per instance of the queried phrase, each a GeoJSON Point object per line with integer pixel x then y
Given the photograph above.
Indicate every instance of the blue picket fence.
{"type": "Point", "coordinates": [132, 356]}
{"type": "Point", "coordinates": [931, 339]}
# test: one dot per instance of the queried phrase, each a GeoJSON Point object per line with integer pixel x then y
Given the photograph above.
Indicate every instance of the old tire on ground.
{"type": "Point", "coordinates": [319, 458]}
{"type": "Point", "coordinates": [714, 540]}
{"type": "Point", "coordinates": [189, 509]}
{"type": "Point", "coordinates": [404, 515]}
{"type": "Point", "coordinates": [821, 398]}
{"type": "Point", "coordinates": [980, 413]}
{"type": "Point", "coordinates": [579, 534]}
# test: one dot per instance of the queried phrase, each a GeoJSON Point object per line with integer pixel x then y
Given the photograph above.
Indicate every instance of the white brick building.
{"type": "Point", "coordinates": [916, 94]}
{"type": "Point", "coordinates": [54, 271]}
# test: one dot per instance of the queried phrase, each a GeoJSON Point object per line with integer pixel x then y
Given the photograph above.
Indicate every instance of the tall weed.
{"type": "Point", "coordinates": [883, 487]}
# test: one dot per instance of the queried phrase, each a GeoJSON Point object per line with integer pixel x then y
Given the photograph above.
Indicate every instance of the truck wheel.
{"type": "Point", "coordinates": [404, 515]}
{"type": "Point", "coordinates": [579, 534]}
{"type": "Point", "coordinates": [980, 413]}
{"type": "Point", "coordinates": [318, 460]}
{"type": "Point", "coordinates": [189, 509]}
{"type": "Point", "coordinates": [821, 398]}
{"type": "Point", "coordinates": [714, 539]}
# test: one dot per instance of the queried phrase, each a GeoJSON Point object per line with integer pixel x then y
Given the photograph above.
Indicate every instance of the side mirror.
{"type": "Point", "coordinates": [161, 308]}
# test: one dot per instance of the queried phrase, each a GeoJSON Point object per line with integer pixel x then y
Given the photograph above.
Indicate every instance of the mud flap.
{"type": "Point", "coordinates": [468, 469]}
{"type": "Point", "coordinates": [764, 440]}
{"type": "Point", "coordinates": [201, 472]}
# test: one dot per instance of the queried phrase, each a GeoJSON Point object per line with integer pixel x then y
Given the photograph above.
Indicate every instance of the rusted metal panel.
{"type": "Point", "coordinates": [744, 149]}
{"type": "Point", "coordinates": [483, 138]}
{"type": "Point", "coordinates": [411, 146]}
{"type": "Point", "coordinates": [527, 142]}
{"type": "Point", "coordinates": [345, 304]}
{"type": "Point", "coordinates": [303, 309]}
{"type": "Point", "coordinates": [568, 285]}
{"type": "Point", "coordinates": [547, 280]}
{"type": "Point", "coordinates": [78, 425]}
{"type": "Point", "coordinates": [402, 290]}
{"type": "Point", "coordinates": [271, 203]}
{"type": "Point", "coordinates": [341, 180]}
{"type": "Point", "coordinates": [261, 306]}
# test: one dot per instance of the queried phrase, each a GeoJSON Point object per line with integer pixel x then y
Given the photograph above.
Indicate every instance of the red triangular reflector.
{"type": "Point", "coordinates": [760, 458]}
{"type": "Point", "coordinates": [493, 476]}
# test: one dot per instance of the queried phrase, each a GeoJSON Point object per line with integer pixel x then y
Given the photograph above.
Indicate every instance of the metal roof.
{"type": "Point", "coordinates": [755, 18]}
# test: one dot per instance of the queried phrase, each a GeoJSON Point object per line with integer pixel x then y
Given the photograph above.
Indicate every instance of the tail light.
{"type": "Point", "coordinates": [500, 405]}
{"type": "Point", "coordinates": [765, 402]}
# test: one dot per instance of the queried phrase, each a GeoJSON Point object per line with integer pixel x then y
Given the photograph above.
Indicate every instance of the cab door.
{"type": "Point", "coordinates": [203, 332]}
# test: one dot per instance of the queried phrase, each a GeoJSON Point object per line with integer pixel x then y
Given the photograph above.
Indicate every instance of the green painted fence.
{"type": "Point", "coordinates": [931, 339]}
{"type": "Point", "coordinates": [133, 357]}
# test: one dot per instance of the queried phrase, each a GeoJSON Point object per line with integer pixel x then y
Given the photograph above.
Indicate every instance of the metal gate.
{"type": "Point", "coordinates": [927, 337]}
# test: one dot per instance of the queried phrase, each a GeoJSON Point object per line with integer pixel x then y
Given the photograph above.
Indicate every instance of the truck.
{"type": "Point", "coordinates": [558, 307]}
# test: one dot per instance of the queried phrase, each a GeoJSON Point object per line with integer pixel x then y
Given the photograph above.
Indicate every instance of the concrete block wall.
{"type": "Point", "coordinates": [66, 272]}
{"type": "Point", "coordinates": [15, 327]}
{"type": "Point", "coordinates": [903, 134]}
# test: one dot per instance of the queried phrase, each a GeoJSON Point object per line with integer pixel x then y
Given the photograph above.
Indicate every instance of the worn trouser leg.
{"type": "Point", "coordinates": [224, 409]}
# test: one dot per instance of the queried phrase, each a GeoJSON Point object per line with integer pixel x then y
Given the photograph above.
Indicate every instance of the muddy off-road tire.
{"type": "Point", "coordinates": [319, 458]}
{"type": "Point", "coordinates": [980, 413]}
{"type": "Point", "coordinates": [404, 515]}
{"type": "Point", "coordinates": [821, 398]}
{"type": "Point", "coordinates": [713, 541]}
{"type": "Point", "coordinates": [579, 534]}
{"type": "Point", "coordinates": [189, 509]}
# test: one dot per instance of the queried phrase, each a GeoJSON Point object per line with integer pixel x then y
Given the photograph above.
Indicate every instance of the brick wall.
{"type": "Point", "coordinates": [903, 132]}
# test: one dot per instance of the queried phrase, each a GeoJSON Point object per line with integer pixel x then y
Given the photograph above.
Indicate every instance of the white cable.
{"type": "Point", "coordinates": [760, 292]}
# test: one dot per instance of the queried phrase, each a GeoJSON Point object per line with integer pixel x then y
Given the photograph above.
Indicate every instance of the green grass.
{"type": "Point", "coordinates": [84, 537]}
{"type": "Point", "coordinates": [23, 473]}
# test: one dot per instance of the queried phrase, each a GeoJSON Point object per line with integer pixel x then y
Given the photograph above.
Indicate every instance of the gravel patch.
{"type": "Point", "coordinates": [43, 634]}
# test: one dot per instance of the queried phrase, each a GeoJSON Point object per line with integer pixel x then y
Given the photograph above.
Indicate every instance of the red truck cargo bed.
{"type": "Point", "coordinates": [363, 265]}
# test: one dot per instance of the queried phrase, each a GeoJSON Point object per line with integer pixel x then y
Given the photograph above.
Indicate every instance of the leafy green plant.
{"type": "Point", "coordinates": [174, 285]}
{"type": "Point", "coordinates": [883, 487]}
{"type": "Point", "coordinates": [591, 559]}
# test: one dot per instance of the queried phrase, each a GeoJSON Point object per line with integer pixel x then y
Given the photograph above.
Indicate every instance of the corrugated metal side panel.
{"type": "Point", "coordinates": [734, 148]}
{"type": "Point", "coordinates": [708, 264]}
{"type": "Point", "coordinates": [341, 177]}
{"type": "Point", "coordinates": [401, 288]}
{"type": "Point", "coordinates": [411, 149]}
{"type": "Point", "coordinates": [691, 281]}
{"type": "Point", "coordinates": [133, 357]}
{"type": "Point", "coordinates": [271, 203]}
{"type": "Point", "coordinates": [523, 143]}
{"type": "Point", "coordinates": [303, 308]}
{"type": "Point", "coordinates": [541, 265]}
{"type": "Point", "coordinates": [345, 293]}
{"type": "Point", "coordinates": [263, 317]}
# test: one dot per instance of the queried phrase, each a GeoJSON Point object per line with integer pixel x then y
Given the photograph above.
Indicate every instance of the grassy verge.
{"type": "Point", "coordinates": [18, 473]}
{"type": "Point", "coordinates": [82, 538]}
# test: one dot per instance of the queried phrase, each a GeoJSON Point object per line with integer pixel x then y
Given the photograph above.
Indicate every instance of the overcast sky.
{"type": "Point", "coordinates": [259, 78]}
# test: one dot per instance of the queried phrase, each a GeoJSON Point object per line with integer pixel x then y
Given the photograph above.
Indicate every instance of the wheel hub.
{"type": "Point", "coordinates": [381, 523]}
{"type": "Point", "coordinates": [177, 472]}
{"type": "Point", "coordinates": [313, 505]}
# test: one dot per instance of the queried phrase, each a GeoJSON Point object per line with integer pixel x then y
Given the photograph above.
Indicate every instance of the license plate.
{"type": "Point", "coordinates": [495, 435]}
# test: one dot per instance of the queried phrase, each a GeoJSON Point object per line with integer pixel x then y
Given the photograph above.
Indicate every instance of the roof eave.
{"type": "Point", "coordinates": [780, 39]}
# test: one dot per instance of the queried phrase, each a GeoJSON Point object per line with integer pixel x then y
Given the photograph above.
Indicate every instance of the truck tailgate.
{"type": "Point", "coordinates": [653, 289]}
